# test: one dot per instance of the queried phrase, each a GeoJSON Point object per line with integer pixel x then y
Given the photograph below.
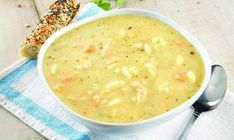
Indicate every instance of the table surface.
{"type": "Point", "coordinates": [212, 22]}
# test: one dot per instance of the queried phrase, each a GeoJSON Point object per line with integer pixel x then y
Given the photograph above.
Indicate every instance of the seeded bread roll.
{"type": "Point", "coordinates": [58, 15]}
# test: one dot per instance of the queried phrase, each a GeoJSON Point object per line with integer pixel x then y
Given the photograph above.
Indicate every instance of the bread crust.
{"type": "Point", "coordinates": [59, 14]}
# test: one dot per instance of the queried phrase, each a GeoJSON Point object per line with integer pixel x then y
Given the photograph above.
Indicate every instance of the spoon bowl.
{"type": "Point", "coordinates": [214, 92]}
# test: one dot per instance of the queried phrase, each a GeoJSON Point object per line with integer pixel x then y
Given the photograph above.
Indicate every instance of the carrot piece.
{"type": "Point", "coordinates": [180, 77]}
{"type": "Point", "coordinates": [94, 102]}
{"type": "Point", "coordinates": [90, 49]}
{"type": "Point", "coordinates": [86, 111]}
{"type": "Point", "coordinates": [68, 80]}
{"type": "Point", "coordinates": [178, 44]}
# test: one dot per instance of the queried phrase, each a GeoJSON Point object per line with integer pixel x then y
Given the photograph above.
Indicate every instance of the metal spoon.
{"type": "Point", "coordinates": [210, 99]}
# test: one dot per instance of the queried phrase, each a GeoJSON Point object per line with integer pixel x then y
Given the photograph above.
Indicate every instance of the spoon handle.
{"type": "Point", "coordinates": [184, 133]}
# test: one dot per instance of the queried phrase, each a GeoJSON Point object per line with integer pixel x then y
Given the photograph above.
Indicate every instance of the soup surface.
{"type": "Point", "coordinates": [123, 68]}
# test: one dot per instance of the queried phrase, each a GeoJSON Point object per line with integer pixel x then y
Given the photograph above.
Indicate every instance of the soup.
{"type": "Point", "coordinates": [123, 68]}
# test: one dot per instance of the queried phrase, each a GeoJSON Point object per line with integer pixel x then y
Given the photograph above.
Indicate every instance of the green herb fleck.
{"type": "Point", "coordinates": [106, 5]}
{"type": "Point", "coordinates": [120, 3]}
{"type": "Point", "coordinates": [102, 4]}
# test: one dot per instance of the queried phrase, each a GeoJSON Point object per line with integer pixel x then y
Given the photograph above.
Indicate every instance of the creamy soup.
{"type": "Point", "coordinates": [123, 69]}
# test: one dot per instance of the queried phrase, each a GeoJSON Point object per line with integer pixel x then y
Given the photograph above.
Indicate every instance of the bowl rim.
{"type": "Point", "coordinates": [130, 11]}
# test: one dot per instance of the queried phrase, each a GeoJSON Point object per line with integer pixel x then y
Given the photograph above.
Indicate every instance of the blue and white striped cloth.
{"type": "Point", "coordinates": [24, 95]}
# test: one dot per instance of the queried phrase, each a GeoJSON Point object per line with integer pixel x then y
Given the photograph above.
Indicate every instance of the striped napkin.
{"type": "Point", "coordinates": [23, 94]}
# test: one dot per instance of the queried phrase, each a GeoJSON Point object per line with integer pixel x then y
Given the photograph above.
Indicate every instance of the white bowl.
{"type": "Point", "coordinates": [128, 128]}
